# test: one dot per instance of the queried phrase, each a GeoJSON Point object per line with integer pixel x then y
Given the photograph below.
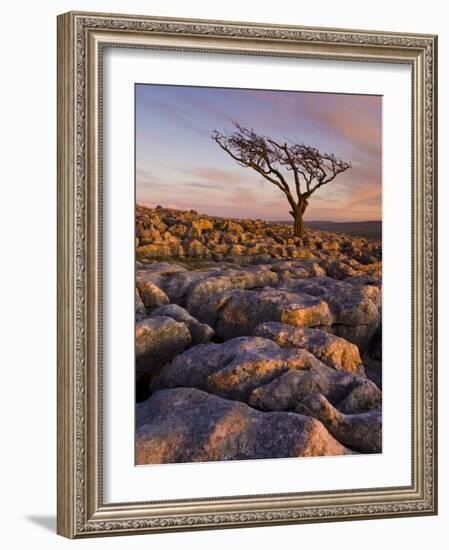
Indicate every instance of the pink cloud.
{"type": "Point", "coordinates": [243, 196]}
{"type": "Point", "coordinates": [351, 117]}
{"type": "Point", "coordinates": [365, 198]}
{"type": "Point", "coordinates": [216, 175]}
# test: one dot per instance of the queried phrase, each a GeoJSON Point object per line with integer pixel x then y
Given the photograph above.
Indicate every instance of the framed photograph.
{"type": "Point", "coordinates": [246, 274]}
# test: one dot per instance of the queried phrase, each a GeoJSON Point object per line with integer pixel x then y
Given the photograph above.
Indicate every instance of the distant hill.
{"type": "Point", "coordinates": [368, 229]}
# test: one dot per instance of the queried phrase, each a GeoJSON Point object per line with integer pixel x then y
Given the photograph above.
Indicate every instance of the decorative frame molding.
{"type": "Point", "coordinates": [81, 37]}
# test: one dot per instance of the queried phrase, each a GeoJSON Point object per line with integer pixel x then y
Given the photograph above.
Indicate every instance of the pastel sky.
{"type": "Point", "coordinates": [178, 165]}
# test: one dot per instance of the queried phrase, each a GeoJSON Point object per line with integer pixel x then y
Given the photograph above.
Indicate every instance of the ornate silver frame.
{"type": "Point", "coordinates": [81, 38]}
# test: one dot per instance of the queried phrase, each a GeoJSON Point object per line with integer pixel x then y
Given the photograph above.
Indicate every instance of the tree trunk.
{"type": "Point", "coordinates": [299, 223]}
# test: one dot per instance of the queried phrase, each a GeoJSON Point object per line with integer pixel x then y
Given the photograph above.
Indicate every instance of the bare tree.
{"type": "Point", "coordinates": [310, 169]}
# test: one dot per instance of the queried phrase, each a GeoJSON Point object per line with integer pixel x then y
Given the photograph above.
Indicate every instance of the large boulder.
{"type": "Point", "coordinates": [362, 280]}
{"type": "Point", "coordinates": [157, 273]}
{"type": "Point", "coordinates": [192, 367]}
{"type": "Point", "coordinates": [202, 224]}
{"type": "Point", "coordinates": [188, 425]}
{"type": "Point", "coordinates": [149, 235]}
{"type": "Point", "coordinates": [199, 332]}
{"type": "Point", "coordinates": [338, 269]}
{"type": "Point", "coordinates": [356, 309]}
{"type": "Point", "coordinates": [363, 398]}
{"type": "Point", "coordinates": [330, 245]}
{"type": "Point", "coordinates": [160, 249]}
{"type": "Point", "coordinates": [178, 230]}
{"type": "Point", "coordinates": [235, 368]}
{"type": "Point", "coordinates": [159, 340]}
{"type": "Point", "coordinates": [252, 277]}
{"type": "Point", "coordinates": [150, 294]}
{"type": "Point", "coordinates": [204, 295]}
{"type": "Point", "coordinates": [231, 226]}
{"type": "Point", "coordinates": [332, 350]}
{"type": "Point", "coordinates": [298, 269]}
{"type": "Point", "coordinates": [193, 248]}
{"type": "Point", "coordinates": [348, 392]}
{"type": "Point", "coordinates": [361, 432]}
{"type": "Point", "coordinates": [239, 378]}
{"type": "Point", "coordinates": [178, 285]}
{"type": "Point", "coordinates": [141, 312]}
{"type": "Point", "coordinates": [207, 298]}
{"type": "Point", "coordinates": [241, 311]}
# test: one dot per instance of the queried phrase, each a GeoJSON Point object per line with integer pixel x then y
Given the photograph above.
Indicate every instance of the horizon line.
{"type": "Point", "coordinates": [327, 220]}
